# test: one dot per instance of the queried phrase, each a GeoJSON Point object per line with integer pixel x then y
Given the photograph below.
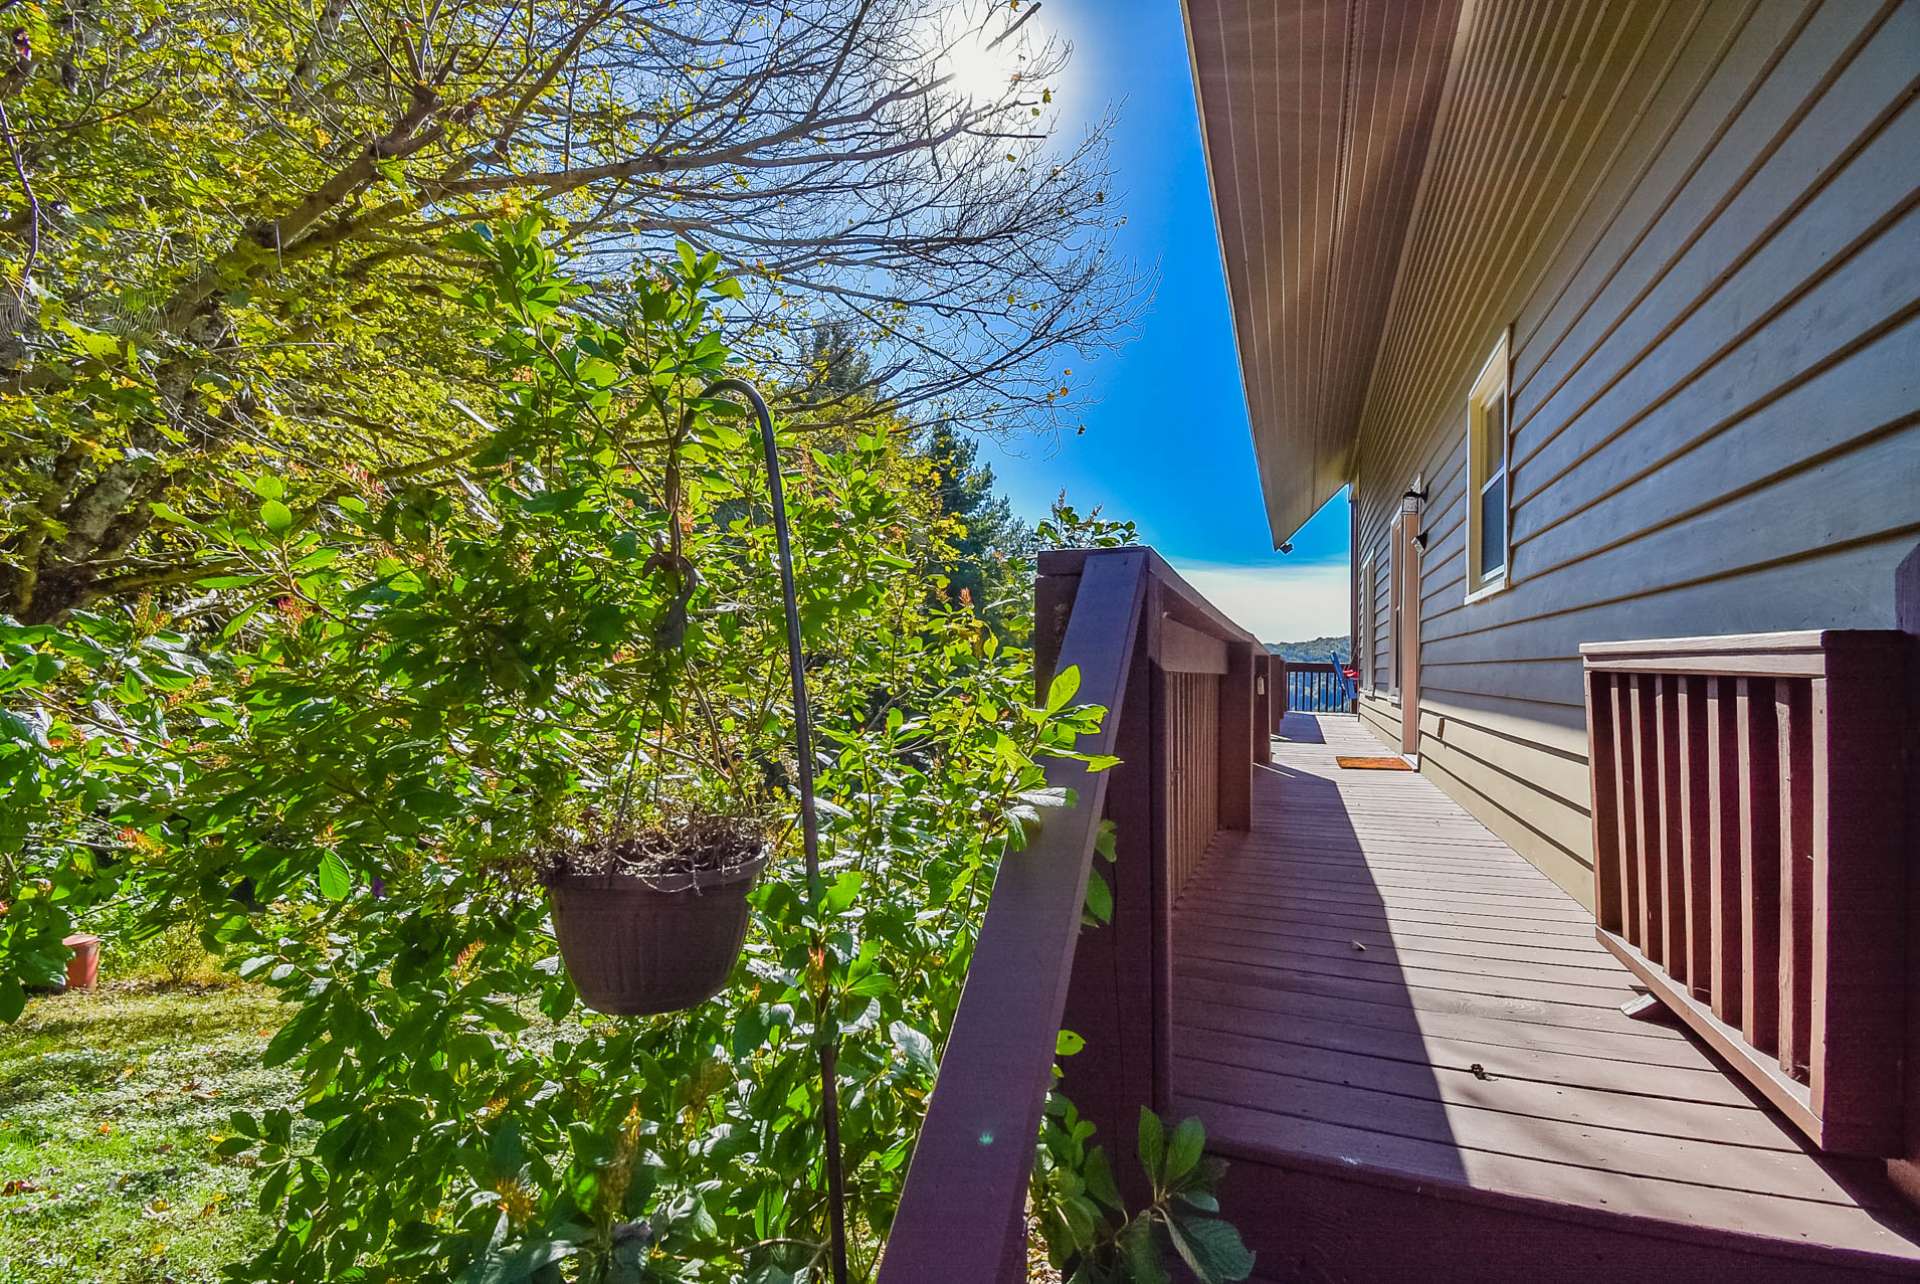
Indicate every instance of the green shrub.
{"type": "Point", "coordinates": [414, 687]}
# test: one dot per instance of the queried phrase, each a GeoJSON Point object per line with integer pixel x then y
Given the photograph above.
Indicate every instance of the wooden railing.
{"type": "Point", "coordinates": [1179, 682]}
{"type": "Point", "coordinates": [1748, 801]}
{"type": "Point", "coordinates": [1315, 686]}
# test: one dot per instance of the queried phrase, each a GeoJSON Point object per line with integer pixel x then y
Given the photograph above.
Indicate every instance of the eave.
{"type": "Point", "coordinates": [1316, 116]}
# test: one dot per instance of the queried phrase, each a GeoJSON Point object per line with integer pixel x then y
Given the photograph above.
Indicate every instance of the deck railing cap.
{"type": "Point", "coordinates": [1803, 652]}
{"type": "Point", "coordinates": [1185, 602]}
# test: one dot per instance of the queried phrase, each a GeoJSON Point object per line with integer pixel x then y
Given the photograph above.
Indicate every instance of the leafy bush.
{"type": "Point", "coordinates": [1085, 1217]}
{"type": "Point", "coordinates": [410, 690]}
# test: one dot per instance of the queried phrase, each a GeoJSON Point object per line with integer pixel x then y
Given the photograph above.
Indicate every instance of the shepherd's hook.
{"type": "Point", "coordinates": [809, 823]}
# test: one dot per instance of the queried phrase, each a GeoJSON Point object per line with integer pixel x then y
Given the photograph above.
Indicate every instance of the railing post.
{"type": "Point", "coordinates": [1236, 723]}
{"type": "Point", "coordinates": [1052, 604]}
{"type": "Point", "coordinates": [1285, 692]}
{"type": "Point", "coordinates": [1262, 706]}
{"type": "Point", "coordinates": [1905, 1170]}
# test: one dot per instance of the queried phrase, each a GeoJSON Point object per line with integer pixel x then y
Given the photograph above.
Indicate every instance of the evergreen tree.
{"type": "Point", "coordinates": [990, 566]}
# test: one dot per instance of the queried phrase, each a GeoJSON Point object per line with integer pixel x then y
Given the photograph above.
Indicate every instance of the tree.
{"type": "Point", "coordinates": [990, 566]}
{"type": "Point", "coordinates": [228, 238]}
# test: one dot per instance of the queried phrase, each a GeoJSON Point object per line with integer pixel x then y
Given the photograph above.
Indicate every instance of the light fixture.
{"type": "Point", "coordinates": [1413, 499]}
{"type": "Point", "coordinates": [1420, 541]}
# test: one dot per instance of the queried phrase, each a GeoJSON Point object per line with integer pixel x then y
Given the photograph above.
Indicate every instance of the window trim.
{"type": "Point", "coordinates": [1494, 379]}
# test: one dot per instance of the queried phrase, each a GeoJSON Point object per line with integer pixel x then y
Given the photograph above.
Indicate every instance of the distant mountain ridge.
{"type": "Point", "coordinates": [1317, 649]}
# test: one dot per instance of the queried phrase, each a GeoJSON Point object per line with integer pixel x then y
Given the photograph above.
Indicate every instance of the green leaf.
{"type": "Point", "coordinates": [1066, 1043]}
{"type": "Point", "coordinates": [750, 1030]}
{"type": "Point", "coordinates": [168, 513]}
{"type": "Point", "coordinates": [1211, 1248]}
{"type": "Point", "coordinates": [844, 889]}
{"type": "Point", "coordinates": [505, 1153]}
{"type": "Point", "coordinates": [239, 621]}
{"type": "Point", "coordinates": [526, 1260]}
{"type": "Point", "coordinates": [1183, 1152]}
{"type": "Point", "coordinates": [318, 558]}
{"type": "Point", "coordinates": [1065, 685]}
{"type": "Point", "coordinates": [916, 1047]}
{"type": "Point", "coordinates": [335, 879]}
{"type": "Point", "coordinates": [1099, 898]}
{"type": "Point", "coordinates": [1141, 1253]}
{"type": "Point", "coordinates": [1098, 1174]}
{"type": "Point", "coordinates": [268, 486]}
{"type": "Point", "coordinates": [276, 516]}
{"type": "Point", "coordinates": [1153, 1144]}
{"type": "Point", "coordinates": [605, 624]}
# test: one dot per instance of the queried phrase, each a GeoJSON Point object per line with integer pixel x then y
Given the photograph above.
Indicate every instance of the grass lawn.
{"type": "Point", "coordinates": [107, 1170]}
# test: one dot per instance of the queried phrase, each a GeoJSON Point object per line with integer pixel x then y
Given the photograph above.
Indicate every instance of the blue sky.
{"type": "Point", "coordinates": [1168, 445]}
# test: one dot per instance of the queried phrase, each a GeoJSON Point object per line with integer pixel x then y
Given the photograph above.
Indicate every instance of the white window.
{"type": "Point", "coordinates": [1487, 501]}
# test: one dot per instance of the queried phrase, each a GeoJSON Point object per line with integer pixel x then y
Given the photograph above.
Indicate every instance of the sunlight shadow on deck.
{"type": "Point", "coordinates": [1377, 1003]}
{"type": "Point", "coordinates": [1300, 729]}
{"type": "Point", "coordinates": [1294, 1024]}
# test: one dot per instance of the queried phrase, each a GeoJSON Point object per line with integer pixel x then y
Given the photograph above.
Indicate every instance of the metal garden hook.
{"type": "Point", "coordinates": [810, 825]}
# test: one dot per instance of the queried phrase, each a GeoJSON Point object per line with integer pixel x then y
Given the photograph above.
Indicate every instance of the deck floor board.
{"type": "Point", "coordinates": [1371, 983]}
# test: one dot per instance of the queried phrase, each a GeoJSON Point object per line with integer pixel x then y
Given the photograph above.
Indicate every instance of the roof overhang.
{"type": "Point", "coordinates": [1316, 116]}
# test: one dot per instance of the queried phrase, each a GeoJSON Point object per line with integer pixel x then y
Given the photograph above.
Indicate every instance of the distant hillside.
{"type": "Point", "coordinates": [1313, 649]}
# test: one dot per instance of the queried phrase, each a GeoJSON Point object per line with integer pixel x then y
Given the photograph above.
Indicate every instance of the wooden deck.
{"type": "Point", "coordinates": [1406, 1037]}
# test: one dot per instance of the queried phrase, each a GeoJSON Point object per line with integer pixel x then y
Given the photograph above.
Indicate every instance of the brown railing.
{"type": "Point", "coordinates": [1188, 710]}
{"type": "Point", "coordinates": [1315, 686]}
{"type": "Point", "coordinates": [1748, 862]}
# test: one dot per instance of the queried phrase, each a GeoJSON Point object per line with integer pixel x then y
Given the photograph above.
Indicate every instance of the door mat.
{"type": "Point", "coordinates": [1374, 764]}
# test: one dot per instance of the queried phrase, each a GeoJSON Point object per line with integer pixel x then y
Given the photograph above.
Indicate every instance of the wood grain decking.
{"type": "Point", "coordinates": [1373, 994]}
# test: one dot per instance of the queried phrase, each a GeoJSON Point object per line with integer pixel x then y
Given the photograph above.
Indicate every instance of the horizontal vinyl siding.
{"type": "Point", "coordinates": [1716, 366]}
{"type": "Point", "coordinates": [1382, 717]}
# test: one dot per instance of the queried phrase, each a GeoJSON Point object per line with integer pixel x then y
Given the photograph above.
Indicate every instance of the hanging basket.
{"type": "Point", "coordinates": [637, 945]}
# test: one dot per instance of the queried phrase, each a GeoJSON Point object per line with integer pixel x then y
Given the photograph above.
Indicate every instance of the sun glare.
{"type": "Point", "coordinates": [978, 69]}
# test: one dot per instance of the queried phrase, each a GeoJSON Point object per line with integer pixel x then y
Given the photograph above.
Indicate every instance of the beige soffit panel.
{"type": "Point", "coordinates": [1316, 116]}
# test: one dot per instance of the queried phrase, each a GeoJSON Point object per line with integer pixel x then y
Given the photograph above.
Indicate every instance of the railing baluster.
{"type": "Point", "coordinates": [1759, 777]}
{"type": "Point", "coordinates": [1674, 935]}
{"type": "Point", "coordinates": [1604, 769]}
{"type": "Point", "coordinates": [1724, 847]}
{"type": "Point", "coordinates": [1619, 710]}
{"type": "Point", "coordinates": [1695, 836]}
{"type": "Point", "coordinates": [1792, 711]}
{"type": "Point", "coordinates": [1646, 835]}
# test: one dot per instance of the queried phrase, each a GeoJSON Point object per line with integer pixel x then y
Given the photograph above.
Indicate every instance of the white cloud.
{"type": "Point", "coordinates": [1278, 603]}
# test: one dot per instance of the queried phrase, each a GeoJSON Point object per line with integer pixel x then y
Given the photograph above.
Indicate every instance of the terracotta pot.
{"type": "Point", "coordinates": [638, 946]}
{"type": "Point", "coordinates": [83, 969]}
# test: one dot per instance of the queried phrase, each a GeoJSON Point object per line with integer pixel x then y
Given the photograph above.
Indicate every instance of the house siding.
{"type": "Point", "coordinates": [1701, 220]}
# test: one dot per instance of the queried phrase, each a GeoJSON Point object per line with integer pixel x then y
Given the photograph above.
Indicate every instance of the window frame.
{"type": "Point", "coordinates": [1493, 381]}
